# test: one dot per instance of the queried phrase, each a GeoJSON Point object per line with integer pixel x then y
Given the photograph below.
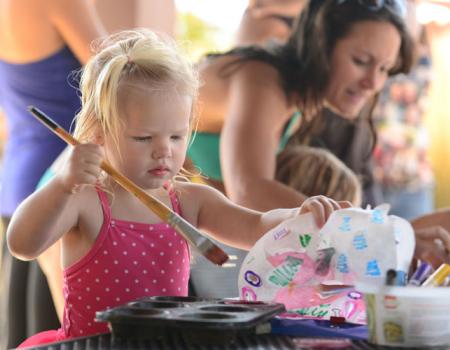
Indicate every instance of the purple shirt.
{"type": "Point", "coordinates": [48, 84]}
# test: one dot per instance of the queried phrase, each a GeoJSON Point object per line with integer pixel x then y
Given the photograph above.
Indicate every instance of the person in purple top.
{"type": "Point", "coordinates": [42, 44]}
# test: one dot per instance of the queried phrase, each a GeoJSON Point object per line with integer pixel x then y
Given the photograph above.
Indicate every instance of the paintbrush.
{"type": "Point", "coordinates": [205, 246]}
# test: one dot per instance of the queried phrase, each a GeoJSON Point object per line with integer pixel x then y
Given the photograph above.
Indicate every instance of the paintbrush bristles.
{"type": "Point", "coordinates": [43, 118]}
{"type": "Point", "coordinates": [53, 126]}
{"type": "Point", "coordinates": [216, 255]}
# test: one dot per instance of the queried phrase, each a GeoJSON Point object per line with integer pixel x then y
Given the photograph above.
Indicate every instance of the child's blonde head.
{"type": "Point", "coordinates": [315, 171]}
{"type": "Point", "coordinates": [127, 58]}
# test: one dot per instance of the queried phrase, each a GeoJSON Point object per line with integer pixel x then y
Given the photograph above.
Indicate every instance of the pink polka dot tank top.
{"type": "Point", "coordinates": [129, 260]}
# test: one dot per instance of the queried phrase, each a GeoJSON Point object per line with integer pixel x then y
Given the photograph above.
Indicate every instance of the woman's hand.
{"type": "Point", "coordinates": [321, 207]}
{"type": "Point", "coordinates": [433, 245]}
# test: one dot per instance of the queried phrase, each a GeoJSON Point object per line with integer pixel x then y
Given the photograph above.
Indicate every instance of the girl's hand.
{"type": "Point", "coordinates": [433, 245]}
{"type": "Point", "coordinates": [82, 167]}
{"type": "Point", "coordinates": [322, 207]}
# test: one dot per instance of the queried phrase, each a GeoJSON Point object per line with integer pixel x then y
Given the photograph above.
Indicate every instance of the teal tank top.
{"type": "Point", "coordinates": [204, 149]}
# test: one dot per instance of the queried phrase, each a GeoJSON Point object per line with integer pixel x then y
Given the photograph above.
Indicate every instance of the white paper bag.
{"type": "Point", "coordinates": [312, 271]}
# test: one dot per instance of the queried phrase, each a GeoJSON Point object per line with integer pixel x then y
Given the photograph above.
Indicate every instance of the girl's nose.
{"type": "Point", "coordinates": [162, 150]}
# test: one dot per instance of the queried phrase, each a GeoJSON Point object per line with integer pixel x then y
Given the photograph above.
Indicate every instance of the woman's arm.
{"type": "Point", "coordinates": [258, 30]}
{"type": "Point", "coordinates": [78, 24]}
{"type": "Point", "coordinates": [289, 8]}
{"type": "Point", "coordinates": [257, 112]}
{"type": "Point", "coordinates": [439, 217]}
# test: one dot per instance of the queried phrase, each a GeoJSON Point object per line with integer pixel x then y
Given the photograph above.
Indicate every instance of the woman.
{"type": "Point", "coordinates": [252, 98]}
{"type": "Point", "coordinates": [252, 95]}
{"type": "Point", "coordinates": [42, 42]}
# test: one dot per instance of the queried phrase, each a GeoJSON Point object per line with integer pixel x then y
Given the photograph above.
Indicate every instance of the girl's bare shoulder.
{"type": "Point", "coordinates": [194, 196]}
{"type": "Point", "coordinates": [190, 191]}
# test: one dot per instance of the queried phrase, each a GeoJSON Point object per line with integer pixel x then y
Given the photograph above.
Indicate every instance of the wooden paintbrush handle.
{"type": "Point", "coordinates": [210, 250]}
{"type": "Point", "coordinates": [155, 205]}
{"type": "Point", "coordinates": [152, 203]}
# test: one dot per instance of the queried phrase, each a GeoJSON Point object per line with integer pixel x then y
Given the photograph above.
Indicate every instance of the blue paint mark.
{"type": "Point", "coordinates": [373, 269]}
{"type": "Point", "coordinates": [377, 216]}
{"type": "Point", "coordinates": [342, 264]}
{"type": "Point", "coordinates": [360, 242]}
{"type": "Point", "coordinates": [345, 224]}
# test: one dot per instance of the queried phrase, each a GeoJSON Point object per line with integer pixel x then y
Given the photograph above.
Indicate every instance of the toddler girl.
{"type": "Point", "coordinates": [138, 95]}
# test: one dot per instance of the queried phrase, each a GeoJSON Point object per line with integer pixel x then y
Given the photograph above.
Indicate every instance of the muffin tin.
{"type": "Point", "coordinates": [199, 320]}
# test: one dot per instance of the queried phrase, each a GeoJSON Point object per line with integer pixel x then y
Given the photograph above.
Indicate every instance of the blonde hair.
{"type": "Point", "coordinates": [315, 171]}
{"type": "Point", "coordinates": [133, 56]}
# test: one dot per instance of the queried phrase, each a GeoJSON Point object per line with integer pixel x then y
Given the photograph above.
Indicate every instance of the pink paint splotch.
{"type": "Point", "coordinates": [304, 290]}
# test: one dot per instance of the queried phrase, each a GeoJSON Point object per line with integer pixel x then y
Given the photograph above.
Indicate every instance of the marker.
{"type": "Point", "coordinates": [401, 278]}
{"type": "Point", "coordinates": [391, 277]}
{"type": "Point", "coordinates": [447, 282]}
{"type": "Point", "coordinates": [423, 271]}
{"type": "Point", "coordinates": [438, 277]}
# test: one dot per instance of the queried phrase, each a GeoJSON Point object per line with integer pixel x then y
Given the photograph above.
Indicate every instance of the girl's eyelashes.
{"type": "Point", "coordinates": [149, 138]}
{"type": "Point", "coordinates": [177, 137]}
{"type": "Point", "coordinates": [142, 138]}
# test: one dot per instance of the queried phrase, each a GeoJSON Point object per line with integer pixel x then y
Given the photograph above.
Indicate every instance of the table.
{"type": "Point", "coordinates": [176, 342]}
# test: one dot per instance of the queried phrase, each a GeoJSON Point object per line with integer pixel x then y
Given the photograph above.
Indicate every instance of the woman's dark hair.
{"type": "Point", "coordinates": [304, 60]}
{"type": "Point", "coordinates": [321, 25]}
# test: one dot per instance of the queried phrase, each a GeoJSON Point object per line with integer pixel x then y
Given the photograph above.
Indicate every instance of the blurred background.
{"type": "Point", "coordinates": [204, 26]}
{"type": "Point", "coordinates": [210, 25]}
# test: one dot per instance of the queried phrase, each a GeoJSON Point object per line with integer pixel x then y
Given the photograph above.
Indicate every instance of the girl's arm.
{"type": "Point", "coordinates": [257, 112]}
{"type": "Point", "coordinates": [54, 209]}
{"type": "Point", "coordinates": [41, 220]}
{"type": "Point", "coordinates": [240, 227]}
{"type": "Point", "coordinates": [78, 24]}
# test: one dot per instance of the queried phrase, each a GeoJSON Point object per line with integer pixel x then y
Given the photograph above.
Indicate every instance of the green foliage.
{"type": "Point", "coordinates": [201, 36]}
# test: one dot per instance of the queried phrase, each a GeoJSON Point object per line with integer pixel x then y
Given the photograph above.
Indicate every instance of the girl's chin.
{"type": "Point", "coordinates": [153, 184]}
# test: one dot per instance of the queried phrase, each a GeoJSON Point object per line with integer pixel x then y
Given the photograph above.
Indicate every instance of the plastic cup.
{"type": "Point", "coordinates": [407, 316]}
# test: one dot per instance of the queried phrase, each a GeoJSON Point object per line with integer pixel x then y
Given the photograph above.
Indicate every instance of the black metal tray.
{"type": "Point", "coordinates": [198, 320]}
